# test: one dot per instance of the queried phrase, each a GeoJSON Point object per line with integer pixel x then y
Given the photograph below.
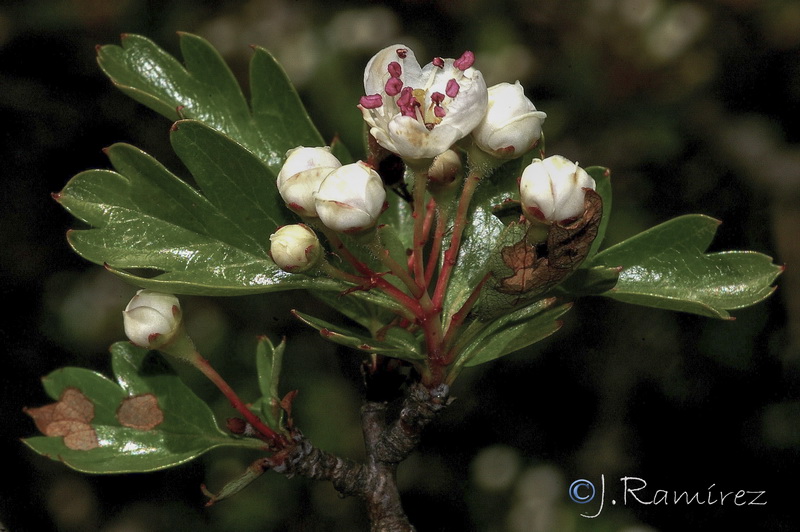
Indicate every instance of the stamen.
{"type": "Point", "coordinates": [395, 70]}
{"type": "Point", "coordinates": [405, 97]}
{"type": "Point", "coordinates": [402, 52]}
{"type": "Point", "coordinates": [393, 86]}
{"type": "Point", "coordinates": [452, 88]}
{"type": "Point", "coordinates": [437, 97]}
{"type": "Point", "coordinates": [438, 62]}
{"type": "Point", "coordinates": [372, 101]}
{"type": "Point", "coordinates": [407, 103]}
{"type": "Point", "coordinates": [465, 61]}
{"type": "Point", "coordinates": [439, 111]}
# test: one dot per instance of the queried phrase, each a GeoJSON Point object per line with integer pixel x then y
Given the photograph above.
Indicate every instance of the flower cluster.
{"type": "Point", "coordinates": [422, 114]}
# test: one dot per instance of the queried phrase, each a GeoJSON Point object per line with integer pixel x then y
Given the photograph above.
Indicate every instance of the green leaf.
{"type": "Point", "coordinates": [269, 359]}
{"type": "Point", "coordinates": [397, 343]}
{"type": "Point", "coordinates": [146, 217]}
{"type": "Point", "coordinates": [482, 233]}
{"type": "Point", "coordinates": [512, 332]}
{"type": "Point", "coordinates": [186, 430]}
{"type": "Point", "coordinates": [205, 89]}
{"type": "Point", "coordinates": [666, 267]}
{"type": "Point", "coordinates": [370, 316]}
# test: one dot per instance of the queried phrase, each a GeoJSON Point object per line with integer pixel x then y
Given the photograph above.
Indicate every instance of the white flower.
{"type": "Point", "coordinates": [152, 319]}
{"type": "Point", "coordinates": [351, 198]}
{"type": "Point", "coordinates": [301, 175]}
{"type": "Point", "coordinates": [416, 112]}
{"type": "Point", "coordinates": [295, 248]}
{"type": "Point", "coordinates": [512, 124]}
{"type": "Point", "coordinates": [553, 189]}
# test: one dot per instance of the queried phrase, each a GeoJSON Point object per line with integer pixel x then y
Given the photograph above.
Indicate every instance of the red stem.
{"type": "Point", "coordinates": [279, 441]}
{"type": "Point", "coordinates": [460, 223]}
{"type": "Point", "coordinates": [436, 246]}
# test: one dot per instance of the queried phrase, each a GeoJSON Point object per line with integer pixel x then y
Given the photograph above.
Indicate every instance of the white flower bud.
{"type": "Point", "coordinates": [301, 175]}
{"type": "Point", "coordinates": [445, 168]}
{"type": "Point", "coordinates": [351, 198]}
{"type": "Point", "coordinates": [152, 319]}
{"type": "Point", "coordinates": [295, 248]}
{"type": "Point", "coordinates": [553, 189]}
{"type": "Point", "coordinates": [512, 125]}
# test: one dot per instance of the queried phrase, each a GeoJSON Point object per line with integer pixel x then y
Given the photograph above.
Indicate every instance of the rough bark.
{"type": "Point", "coordinates": [388, 442]}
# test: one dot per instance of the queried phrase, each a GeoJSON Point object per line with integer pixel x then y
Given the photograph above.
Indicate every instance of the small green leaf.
{"type": "Point", "coordinates": [206, 90]}
{"type": "Point", "coordinates": [370, 316]}
{"type": "Point", "coordinates": [666, 267]}
{"type": "Point", "coordinates": [397, 345]}
{"type": "Point", "coordinates": [184, 426]}
{"type": "Point", "coordinates": [512, 332]}
{"type": "Point", "coordinates": [269, 359]}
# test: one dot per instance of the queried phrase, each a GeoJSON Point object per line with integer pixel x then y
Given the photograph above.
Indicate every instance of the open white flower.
{"type": "Point", "coordinates": [351, 198]}
{"type": "Point", "coordinates": [512, 124]}
{"type": "Point", "coordinates": [553, 189]}
{"type": "Point", "coordinates": [301, 175]}
{"type": "Point", "coordinates": [419, 113]}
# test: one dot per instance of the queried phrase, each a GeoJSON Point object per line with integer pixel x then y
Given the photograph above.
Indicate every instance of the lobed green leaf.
{"type": "Point", "coordinates": [666, 267]}
{"type": "Point", "coordinates": [205, 89]}
{"type": "Point", "coordinates": [188, 429]}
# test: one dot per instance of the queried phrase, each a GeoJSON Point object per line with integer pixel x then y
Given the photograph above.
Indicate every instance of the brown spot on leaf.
{"type": "Point", "coordinates": [538, 267]}
{"type": "Point", "coordinates": [70, 417]}
{"type": "Point", "coordinates": [140, 412]}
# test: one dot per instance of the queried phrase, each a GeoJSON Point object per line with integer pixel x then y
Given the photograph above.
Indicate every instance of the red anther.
{"type": "Point", "coordinates": [406, 96]}
{"type": "Point", "coordinates": [393, 86]}
{"type": "Point", "coordinates": [465, 61]}
{"type": "Point", "coordinates": [438, 62]}
{"type": "Point", "coordinates": [437, 97]}
{"type": "Point", "coordinates": [402, 52]}
{"type": "Point", "coordinates": [439, 111]}
{"type": "Point", "coordinates": [372, 101]}
{"type": "Point", "coordinates": [395, 70]}
{"type": "Point", "coordinates": [452, 88]}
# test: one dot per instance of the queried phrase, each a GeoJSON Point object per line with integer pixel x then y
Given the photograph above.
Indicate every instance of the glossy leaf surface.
{"type": "Point", "coordinates": [205, 89]}
{"type": "Point", "coordinates": [397, 343]}
{"type": "Point", "coordinates": [187, 430]}
{"type": "Point", "coordinates": [666, 267]}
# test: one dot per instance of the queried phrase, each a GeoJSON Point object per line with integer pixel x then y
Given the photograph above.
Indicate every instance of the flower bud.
{"type": "Point", "coordinates": [445, 168]}
{"type": "Point", "coordinates": [351, 198]}
{"type": "Point", "coordinates": [152, 319]}
{"type": "Point", "coordinates": [301, 175]}
{"type": "Point", "coordinates": [295, 248]}
{"type": "Point", "coordinates": [553, 189]}
{"type": "Point", "coordinates": [511, 125]}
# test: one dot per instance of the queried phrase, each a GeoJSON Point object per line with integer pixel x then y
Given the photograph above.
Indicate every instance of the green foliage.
{"type": "Point", "coordinates": [206, 90]}
{"type": "Point", "coordinates": [269, 360]}
{"type": "Point", "coordinates": [511, 332]}
{"type": "Point", "coordinates": [666, 267]}
{"type": "Point", "coordinates": [188, 428]}
{"type": "Point", "coordinates": [397, 343]}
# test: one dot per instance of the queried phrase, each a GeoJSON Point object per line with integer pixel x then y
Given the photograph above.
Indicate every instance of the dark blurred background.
{"type": "Point", "coordinates": [694, 106]}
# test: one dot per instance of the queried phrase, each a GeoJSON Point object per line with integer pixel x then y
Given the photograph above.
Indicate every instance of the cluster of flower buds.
{"type": "Point", "coordinates": [314, 184]}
